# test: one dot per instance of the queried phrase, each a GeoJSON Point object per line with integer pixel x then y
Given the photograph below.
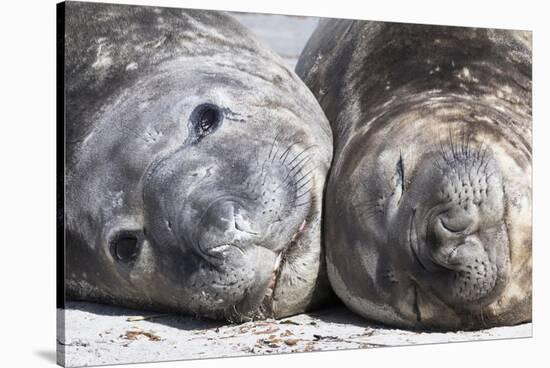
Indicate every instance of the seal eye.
{"type": "Point", "coordinates": [125, 248]}
{"type": "Point", "coordinates": [206, 118]}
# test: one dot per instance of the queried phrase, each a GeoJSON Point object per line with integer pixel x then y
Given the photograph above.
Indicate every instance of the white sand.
{"type": "Point", "coordinates": [98, 334]}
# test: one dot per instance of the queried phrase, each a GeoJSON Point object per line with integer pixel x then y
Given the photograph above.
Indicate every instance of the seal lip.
{"type": "Point", "coordinates": [218, 251]}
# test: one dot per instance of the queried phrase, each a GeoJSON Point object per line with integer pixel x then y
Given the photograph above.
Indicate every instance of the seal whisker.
{"type": "Point", "coordinates": [444, 152]}
{"type": "Point", "coordinates": [298, 180]}
{"type": "Point", "coordinates": [451, 143]}
{"type": "Point", "coordinates": [298, 155]}
{"type": "Point", "coordinates": [468, 145]}
{"type": "Point", "coordinates": [291, 174]}
{"type": "Point", "coordinates": [302, 162]}
{"type": "Point", "coordinates": [287, 151]}
{"type": "Point", "coordinates": [301, 204]}
{"type": "Point", "coordinates": [273, 143]}
{"type": "Point", "coordinates": [292, 177]}
{"type": "Point", "coordinates": [304, 184]}
{"type": "Point", "coordinates": [292, 180]}
{"type": "Point", "coordinates": [464, 144]}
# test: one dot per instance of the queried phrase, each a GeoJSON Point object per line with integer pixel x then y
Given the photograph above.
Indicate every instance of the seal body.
{"type": "Point", "coordinates": [195, 165]}
{"type": "Point", "coordinates": [428, 205]}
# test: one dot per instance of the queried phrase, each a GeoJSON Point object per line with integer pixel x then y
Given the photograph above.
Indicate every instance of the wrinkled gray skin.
{"type": "Point", "coordinates": [428, 205]}
{"type": "Point", "coordinates": [195, 165]}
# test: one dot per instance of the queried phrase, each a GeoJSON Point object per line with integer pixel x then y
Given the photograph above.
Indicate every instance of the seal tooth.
{"type": "Point", "coordinates": [220, 248]}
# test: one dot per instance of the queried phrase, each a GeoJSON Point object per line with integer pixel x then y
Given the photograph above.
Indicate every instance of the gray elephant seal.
{"type": "Point", "coordinates": [195, 165]}
{"type": "Point", "coordinates": [428, 206]}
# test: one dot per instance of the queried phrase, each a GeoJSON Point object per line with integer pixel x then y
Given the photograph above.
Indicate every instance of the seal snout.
{"type": "Point", "coordinates": [225, 226]}
{"type": "Point", "coordinates": [453, 239]}
{"type": "Point", "coordinates": [463, 243]}
{"type": "Point", "coordinates": [462, 256]}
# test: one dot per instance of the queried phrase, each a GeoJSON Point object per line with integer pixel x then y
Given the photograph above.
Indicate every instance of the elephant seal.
{"type": "Point", "coordinates": [428, 204]}
{"type": "Point", "coordinates": [195, 166]}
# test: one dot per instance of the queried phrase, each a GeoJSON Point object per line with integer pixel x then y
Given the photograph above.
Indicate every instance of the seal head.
{"type": "Point", "coordinates": [195, 167]}
{"type": "Point", "coordinates": [428, 221]}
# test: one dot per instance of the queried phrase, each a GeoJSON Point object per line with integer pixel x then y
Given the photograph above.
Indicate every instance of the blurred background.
{"type": "Point", "coordinates": [285, 34]}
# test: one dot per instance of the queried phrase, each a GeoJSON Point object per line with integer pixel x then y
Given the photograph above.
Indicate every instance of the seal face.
{"type": "Point", "coordinates": [195, 167]}
{"type": "Point", "coordinates": [428, 205]}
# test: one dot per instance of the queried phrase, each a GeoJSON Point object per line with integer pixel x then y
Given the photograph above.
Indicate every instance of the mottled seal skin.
{"type": "Point", "coordinates": [195, 165]}
{"type": "Point", "coordinates": [428, 205]}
